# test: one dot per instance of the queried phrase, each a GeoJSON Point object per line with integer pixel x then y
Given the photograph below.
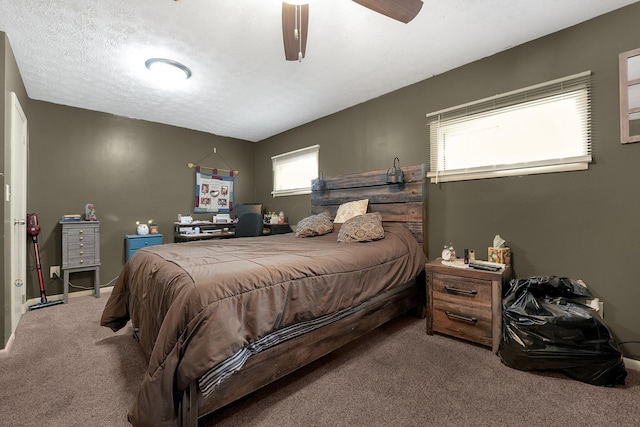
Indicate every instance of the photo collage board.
{"type": "Point", "coordinates": [214, 193]}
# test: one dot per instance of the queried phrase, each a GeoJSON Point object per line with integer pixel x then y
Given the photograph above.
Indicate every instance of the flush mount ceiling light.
{"type": "Point", "coordinates": [168, 69]}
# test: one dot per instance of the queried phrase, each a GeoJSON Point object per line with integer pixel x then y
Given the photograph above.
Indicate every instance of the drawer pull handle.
{"type": "Point", "coordinates": [81, 238]}
{"type": "Point", "coordinates": [82, 245]}
{"type": "Point", "coordinates": [81, 252]}
{"type": "Point", "coordinates": [81, 261]}
{"type": "Point", "coordinates": [450, 315]}
{"type": "Point", "coordinates": [460, 291]}
{"type": "Point", "coordinates": [81, 231]}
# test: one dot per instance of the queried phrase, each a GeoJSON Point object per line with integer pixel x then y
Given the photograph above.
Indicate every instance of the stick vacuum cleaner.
{"type": "Point", "coordinates": [33, 229]}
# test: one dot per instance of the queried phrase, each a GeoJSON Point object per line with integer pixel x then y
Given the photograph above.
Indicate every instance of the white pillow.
{"type": "Point", "coordinates": [351, 209]}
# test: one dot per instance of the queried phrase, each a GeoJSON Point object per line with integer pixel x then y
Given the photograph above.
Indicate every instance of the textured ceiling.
{"type": "Point", "coordinates": [90, 54]}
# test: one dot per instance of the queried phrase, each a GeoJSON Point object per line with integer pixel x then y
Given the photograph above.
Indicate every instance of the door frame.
{"type": "Point", "coordinates": [18, 235]}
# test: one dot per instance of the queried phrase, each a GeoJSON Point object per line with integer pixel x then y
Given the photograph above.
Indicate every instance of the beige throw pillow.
{"type": "Point", "coordinates": [351, 209]}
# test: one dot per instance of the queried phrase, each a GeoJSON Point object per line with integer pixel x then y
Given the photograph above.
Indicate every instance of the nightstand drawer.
{"type": "Point", "coordinates": [134, 242]}
{"type": "Point", "coordinates": [462, 290]}
{"type": "Point", "coordinates": [141, 242]}
{"type": "Point", "coordinates": [466, 322]}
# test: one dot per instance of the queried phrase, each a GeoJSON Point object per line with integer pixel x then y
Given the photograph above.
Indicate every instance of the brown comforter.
{"type": "Point", "coordinates": [195, 304]}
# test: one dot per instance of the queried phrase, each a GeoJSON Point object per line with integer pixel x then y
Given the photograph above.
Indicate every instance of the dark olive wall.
{"type": "Point", "coordinates": [131, 170]}
{"type": "Point", "coordinates": [577, 224]}
{"type": "Point", "coordinates": [365, 137]}
{"type": "Point", "coordinates": [10, 81]}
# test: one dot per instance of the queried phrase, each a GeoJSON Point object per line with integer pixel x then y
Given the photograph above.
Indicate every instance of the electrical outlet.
{"type": "Point", "coordinates": [54, 271]}
{"type": "Point", "coordinates": [601, 307]}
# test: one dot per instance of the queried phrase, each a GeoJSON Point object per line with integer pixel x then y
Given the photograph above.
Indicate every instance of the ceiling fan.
{"type": "Point", "coordinates": [295, 20]}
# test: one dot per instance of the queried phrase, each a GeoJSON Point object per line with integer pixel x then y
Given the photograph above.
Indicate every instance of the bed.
{"type": "Point", "coordinates": [218, 319]}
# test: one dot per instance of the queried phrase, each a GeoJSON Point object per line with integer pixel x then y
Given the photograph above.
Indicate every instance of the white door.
{"type": "Point", "coordinates": [16, 194]}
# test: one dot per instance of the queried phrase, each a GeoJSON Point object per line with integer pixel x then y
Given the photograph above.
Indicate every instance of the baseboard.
{"type": "Point", "coordinates": [632, 364]}
{"type": "Point", "coordinates": [7, 349]}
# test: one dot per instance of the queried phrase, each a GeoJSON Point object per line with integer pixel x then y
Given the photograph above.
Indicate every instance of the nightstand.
{"type": "Point", "coordinates": [465, 303]}
{"type": "Point", "coordinates": [279, 228]}
{"type": "Point", "coordinates": [80, 251]}
{"type": "Point", "coordinates": [137, 241]}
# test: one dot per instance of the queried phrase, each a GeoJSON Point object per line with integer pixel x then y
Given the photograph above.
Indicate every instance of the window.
{"type": "Point", "coordinates": [293, 171]}
{"type": "Point", "coordinates": [630, 96]}
{"type": "Point", "coordinates": [539, 129]}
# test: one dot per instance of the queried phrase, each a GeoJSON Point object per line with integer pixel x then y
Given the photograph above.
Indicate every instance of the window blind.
{"type": "Point", "coordinates": [538, 129]}
{"type": "Point", "coordinates": [293, 171]}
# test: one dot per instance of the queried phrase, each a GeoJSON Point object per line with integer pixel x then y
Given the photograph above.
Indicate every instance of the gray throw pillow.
{"type": "Point", "coordinates": [315, 225]}
{"type": "Point", "coordinates": [362, 228]}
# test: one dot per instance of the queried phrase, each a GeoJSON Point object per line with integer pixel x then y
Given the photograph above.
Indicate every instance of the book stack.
{"type": "Point", "coordinates": [71, 218]}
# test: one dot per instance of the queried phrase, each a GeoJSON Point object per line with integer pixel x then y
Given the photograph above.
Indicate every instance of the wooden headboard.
{"type": "Point", "coordinates": [404, 203]}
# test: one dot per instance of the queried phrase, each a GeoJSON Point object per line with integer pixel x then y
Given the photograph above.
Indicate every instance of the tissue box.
{"type": "Point", "coordinates": [500, 255]}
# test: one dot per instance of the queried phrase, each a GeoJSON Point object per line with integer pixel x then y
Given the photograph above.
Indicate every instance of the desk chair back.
{"type": "Point", "coordinates": [249, 225]}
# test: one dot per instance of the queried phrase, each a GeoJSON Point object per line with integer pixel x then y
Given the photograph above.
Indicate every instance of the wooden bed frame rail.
{"type": "Point", "coordinates": [276, 362]}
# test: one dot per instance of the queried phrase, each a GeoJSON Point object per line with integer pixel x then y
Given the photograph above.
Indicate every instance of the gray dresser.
{"type": "Point", "coordinates": [80, 251]}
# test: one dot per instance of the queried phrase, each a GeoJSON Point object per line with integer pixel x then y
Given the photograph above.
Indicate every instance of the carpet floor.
{"type": "Point", "coordinates": [64, 369]}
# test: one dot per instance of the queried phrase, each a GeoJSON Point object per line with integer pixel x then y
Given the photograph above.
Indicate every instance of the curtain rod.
{"type": "Point", "coordinates": [193, 165]}
{"type": "Point", "coordinates": [214, 151]}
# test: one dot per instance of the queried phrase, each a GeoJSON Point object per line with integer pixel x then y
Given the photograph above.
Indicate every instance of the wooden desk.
{"type": "Point", "coordinates": [185, 232]}
{"type": "Point", "coordinates": [181, 238]}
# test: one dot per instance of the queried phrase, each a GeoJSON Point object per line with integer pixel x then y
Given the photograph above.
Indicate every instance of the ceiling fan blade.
{"type": "Point", "coordinates": [294, 47]}
{"type": "Point", "coordinates": [400, 10]}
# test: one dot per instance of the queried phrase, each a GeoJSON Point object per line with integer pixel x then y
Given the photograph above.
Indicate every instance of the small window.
{"type": "Point", "coordinates": [540, 129]}
{"type": "Point", "coordinates": [293, 171]}
{"type": "Point", "coordinates": [630, 96]}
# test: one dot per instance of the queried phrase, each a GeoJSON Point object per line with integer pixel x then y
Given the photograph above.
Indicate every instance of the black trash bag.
{"type": "Point", "coordinates": [545, 327]}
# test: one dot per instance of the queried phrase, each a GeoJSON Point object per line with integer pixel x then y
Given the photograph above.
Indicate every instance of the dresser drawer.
{"type": "Point", "coordinates": [81, 234]}
{"type": "Point", "coordinates": [81, 261]}
{"type": "Point", "coordinates": [86, 252]}
{"type": "Point", "coordinates": [79, 242]}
